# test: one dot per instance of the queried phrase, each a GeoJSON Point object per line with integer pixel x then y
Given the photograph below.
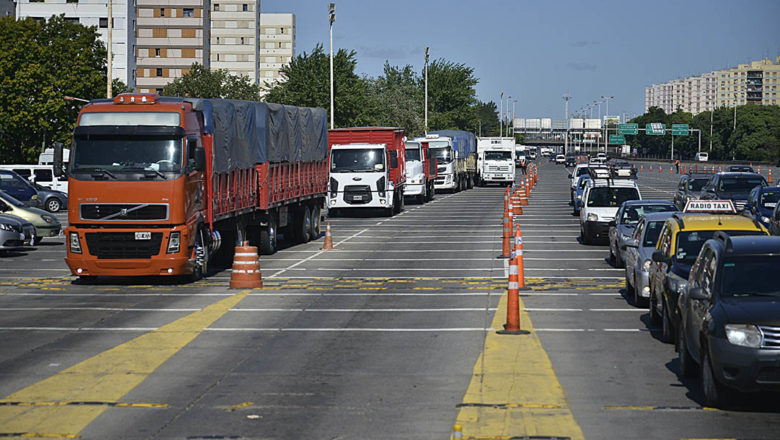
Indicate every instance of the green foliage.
{"type": "Point", "coordinates": [396, 100]}
{"type": "Point", "coordinates": [452, 98]}
{"type": "Point", "coordinates": [487, 114]}
{"type": "Point", "coordinates": [201, 82]}
{"type": "Point", "coordinates": [39, 64]}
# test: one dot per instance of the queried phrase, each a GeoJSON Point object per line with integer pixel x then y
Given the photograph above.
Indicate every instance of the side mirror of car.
{"type": "Point", "coordinates": [697, 293]}
{"type": "Point", "coordinates": [569, 176]}
{"type": "Point", "coordinates": [660, 257]}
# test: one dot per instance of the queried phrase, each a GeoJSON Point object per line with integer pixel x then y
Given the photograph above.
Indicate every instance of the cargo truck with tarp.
{"type": "Point", "coordinates": [162, 186]}
{"type": "Point", "coordinates": [456, 153]}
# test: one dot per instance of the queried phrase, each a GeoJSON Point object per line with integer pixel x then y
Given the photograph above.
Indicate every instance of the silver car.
{"type": "Point", "coordinates": [626, 220]}
{"type": "Point", "coordinates": [638, 256]}
{"type": "Point", "coordinates": [15, 233]}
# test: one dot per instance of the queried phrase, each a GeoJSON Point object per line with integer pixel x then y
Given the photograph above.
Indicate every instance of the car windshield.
{"type": "Point", "coordinates": [443, 155]}
{"type": "Point", "coordinates": [130, 153]}
{"type": "Point", "coordinates": [498, 155]}
{"type": "Point", "coordinates": [689, 243]}
{"type": "Point", "coordinates": [739, 184]}
{"type": "Point", "coordinates": [413, 154]}
{"type": "Point", "coordinates": [769, 199]}
{"type": "Point", "coordinates": [697, 184]}
{"type": "Point", "coordinates": [581, 171]}
{"type": "Point", "coordinates": [10, 200]}
{"type": "Point", "coordinates": [357, 160]}
{"type": "Point", "coordinates": [652, 231]}
{"type": "Point", "coordinates": [607, 197]}
{"type": "Point", "coordinates": [747, 276]}
{"type": "Point", "coordinates": [632, 213]}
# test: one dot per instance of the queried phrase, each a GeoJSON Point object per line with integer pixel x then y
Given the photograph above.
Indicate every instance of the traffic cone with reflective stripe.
{"type": "Point", "coordinates": [518, 255]}
{"type": "Point", "coordinates": [245, 273]}
{"type": "Point", "coordinates": [671, 170]}
{"type": "Point", "coordinates": [505, 250]}
{"type": "Point", "coordinates": [516, 282]}
{"type": "Point", "coordinates": [328, 244]}
{"type": "Point", "coordinates": [516, 208]}
{"type": "Point", "coordinates": [642, 168]}
{"type": "Point", "coordinates": [651, 168]}
{"type": "Point", "coordinates": [770, 175]}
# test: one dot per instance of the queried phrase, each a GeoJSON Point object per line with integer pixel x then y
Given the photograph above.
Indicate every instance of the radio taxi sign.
{"type": "Point", "coordinates": [710, 206]}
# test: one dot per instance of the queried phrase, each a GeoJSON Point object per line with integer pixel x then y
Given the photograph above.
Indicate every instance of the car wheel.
{"type": "Point", "coordinates": [715, 394]}
{"type": "Point", "coordinates": [639, 301]}
{"type": "Point", "coordinates": [53, 204]}
{"type": "Point", "coordinates": [37, 240]}
{"type": "Point", "coordinates": [687, 365]}
{"type": "Point", "coordinates": [619, 261]}
{"type": "Point", "coordinates": [652, 304]}
{"type": "Point", "coordinates": [666, 324]}
{"type": "Point", "coordinates": [612, 258]}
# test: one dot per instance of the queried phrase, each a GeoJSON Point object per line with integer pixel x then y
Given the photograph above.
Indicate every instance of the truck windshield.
{"type": "Point", "coordinates": [498, 155]}
{"type": "Point", "coordinates": [363, 160]}
{"type": "Point", "coordinates": [128, 154]}
{"type": "Point", "coordinates": [739, 184]}
{"type": "Point", "coordinates": [689, 243]}
{"type": "Point", "coordinates": [412, 154]}
{"type": "Point", "coordinates": [746, 276]}
{"type": "Point", "coordinates": [610, 197]}
{"type": "Point", "coordinates": [444, 155]}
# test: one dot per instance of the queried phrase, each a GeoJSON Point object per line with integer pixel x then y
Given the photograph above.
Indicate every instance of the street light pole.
{"type": "Point", "coordinates": [606, 115]}
{"type": "Point", "coordinates": [506, 126]}
{"type": "Point", "coordinates": [331, 18]}
{"type": "Point", "coordinates": [426, 93]}
{"type": "Point", "coordinates": [501, 114]}
{"type": "Point", "coordinates": [109, 73]}
{"type": "Point", "coordinates": [566, 99]}
{"type": "Point", "coordinates": [513, 117]}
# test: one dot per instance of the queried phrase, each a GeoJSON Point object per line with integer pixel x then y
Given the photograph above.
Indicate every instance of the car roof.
{"type": "Point", "coordinates": [764, 189]}
{"type": "Point", "coordinates": [648, 202]}
{"type": "Point", "coordinates": [713, 222]}
{"type": "Point", "coordinates": [697, 175]}
{"type": "Point", "coordinates": [737, 174]}
{"type": "Point", "coordinates": [749, 244]}
{"type": "Point", "coordinates": [613, 183]}
{"type": "Point", "coordinates": [658, 216]}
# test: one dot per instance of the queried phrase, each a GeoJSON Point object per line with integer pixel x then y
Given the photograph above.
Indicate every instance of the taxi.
{"type": "Point", "coordinates": [679, 243]}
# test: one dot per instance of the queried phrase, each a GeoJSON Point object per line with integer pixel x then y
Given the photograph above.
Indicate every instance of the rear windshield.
{"type": "Point", "coordinates": [689, 243]}
{"type": "Point", "coordinates": [632, 213]}
{"type": "Point", "coordinates": [582, 171]}
{"type": "Point", "coordinates": [747, 276]}
{"type": "Point", "coordinates": [607, 197]}
{"type": "Point", "coordinates": [769, 199]}
{"type": "Point", "coordinates": [739, 184]}
{"type": "Point", "coordinates": [697, 184]}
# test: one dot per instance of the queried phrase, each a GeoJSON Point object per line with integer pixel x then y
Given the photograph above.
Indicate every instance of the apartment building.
{"type": "Point", "coordinates": [94, 13]}
{"type": "Point", "coordinates": [235, 36]}
{"type": "Point", "coordinates": [753, 83]}
{"type": "Point", "coordinates": [277, 46]}
{"type": "Point", "coordinates": [7, 7]}
{"type": "Point", "coordinates": [172, 35]}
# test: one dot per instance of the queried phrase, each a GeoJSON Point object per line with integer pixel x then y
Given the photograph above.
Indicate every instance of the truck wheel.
{"type": "Point", "coordinates": [421, 199]}
{"type": "Point", "coordinates": [302, 225]}
{"type": "Point", "coordinates": [314, 230]}
{"type": "Point", "coordinates": [201, 256]}
{"type": "Point", "coordinates": [470, 182]}
{"type": "Point", "coordinates": [268, 237]}
{"type": "Point", "coordinates": [431, 192]}
{"type": "Point", "coordinates": [400, 202]}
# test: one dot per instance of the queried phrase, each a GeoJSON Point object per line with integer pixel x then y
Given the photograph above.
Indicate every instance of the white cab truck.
{"type": "Point", "coordinates": [495, 160]}
{"type": "Point", "coordinates": [420, 171]}
{"type": "Point", "coordinates": [455, 152]}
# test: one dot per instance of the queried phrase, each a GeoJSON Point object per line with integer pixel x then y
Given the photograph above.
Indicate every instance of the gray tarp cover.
{"type": "Point", "coordinates": [246, 132]}
{"type": "Point", "coordinates": [463, 142]}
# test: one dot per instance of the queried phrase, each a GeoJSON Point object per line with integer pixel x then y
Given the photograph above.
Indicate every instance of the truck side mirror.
{"type": "Point", "coordinates": [200, 159]}
{"type": "Point", "coordinates": [393, 159]}
{"type": "Point", "coordinates": [57, 166]}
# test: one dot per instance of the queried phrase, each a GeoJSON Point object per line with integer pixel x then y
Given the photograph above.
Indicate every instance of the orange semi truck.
{"type": "Point", "coordinates": [164, 186]}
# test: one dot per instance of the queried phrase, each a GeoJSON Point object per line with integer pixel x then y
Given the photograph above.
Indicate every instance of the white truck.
{"type": "Point", "coordinates": [455, 152]}
{"type": "Point", "coordinates": [495, 160]}
{"type": "Point", "coordinates": [420, 171]}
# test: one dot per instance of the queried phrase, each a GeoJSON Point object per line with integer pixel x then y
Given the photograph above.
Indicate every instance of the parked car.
{"type": "Point", "coordinates": [702, 157]}
{"type": "Point", "coordinates": [581, 184]}
{"type": "Point", "coordinates": [46, 225]}
{"type": "Point", "coordinates": [741, 169]}
{"type": "Point", "coordinates": [601, 201]}
{"type": "Point", "coordinates": [689, 188]}
{"type": "Point", "coordinates": [732, 186]}
{"type": "Point", "coordinates": [774, 223]}
{"type": "Point", "coordinates": [762, 200]}
{"type": "Point", "coordinates": [730, 317]}
{"type": "Point", "coordinates": [15, 233]}
{"type": "Point", "coordinates": [19, 188]}
{"type": "Point", "coordinates": [52, 200]}
{"type": "Point", "coordinates": [626, 220]}
{"type": "Point", "coordinates": [638, 251]}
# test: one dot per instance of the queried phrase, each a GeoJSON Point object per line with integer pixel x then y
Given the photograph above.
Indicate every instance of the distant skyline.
{"type": "Point", "coordinates": [538, 51]}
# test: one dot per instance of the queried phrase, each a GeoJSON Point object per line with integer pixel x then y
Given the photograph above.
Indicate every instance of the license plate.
{"type": "Point", "coordinates": [357, 197]}
{"type": "Point", "coordinates": [143, 235]}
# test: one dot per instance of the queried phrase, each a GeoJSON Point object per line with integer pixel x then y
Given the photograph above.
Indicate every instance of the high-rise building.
{"type": "Point", "coordinates": [235, 36]}
{"type": "Point", "coordinates": [752, 83]}
{"type": "Point", "coordinates": [94, 13]}
{"type": "Point", "coordinates": [172, 35]}
{"type": "Point", "coordinates": [277, 46]}
{"type": "Point", "coordinates": [7, 7]}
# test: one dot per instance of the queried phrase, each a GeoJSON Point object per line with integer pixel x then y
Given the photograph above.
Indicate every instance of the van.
{"type": "Point", "coordinates": [701, 157]}
{"type": "Point", "coordinates": [40, 174]}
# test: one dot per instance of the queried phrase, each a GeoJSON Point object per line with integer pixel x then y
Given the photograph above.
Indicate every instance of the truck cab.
{"type": "Point", "coordinates": [420, 171]}
{"type": "Point", "coordinates": [367, 169]}
{"type": "Point", "coordinates": [495, 160]}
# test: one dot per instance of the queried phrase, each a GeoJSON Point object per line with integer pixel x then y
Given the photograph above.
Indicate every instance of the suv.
{"type": "Point", "coordinates": [762, 200]}
{"type": "Point", "coordinates": [730, 317]}
{"type": "Point", "coordinates": [689, 188]}
{"type": "Point", "coordinates": [601, 200]}
{"type": "Point", "coordinates": [578, 171]}
{"type": "Point", "coordinates": [741, 169]}
{"type": "Point", "coordinates": [678, 245]}
{"type": "Point", "coordinates": [732, 186]}
{"type": "Point", "coordinates": [560, 159]}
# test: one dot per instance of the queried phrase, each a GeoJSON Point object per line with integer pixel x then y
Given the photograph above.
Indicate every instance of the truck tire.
{"type": "Point", "coordinates": [471, 182]}
{"type": "Point", "coordinates": [201, 256]}
{"type": "Point", "coordinates": [268, 237]}
{"type": "Point", "coordinates": [431, 192]}
{"type": "Point", "coordinates": [399, 202]}
{"type": "Point", "coordinates": [301, 225]}
{"type": "Point", "coordinates": [314, 229]}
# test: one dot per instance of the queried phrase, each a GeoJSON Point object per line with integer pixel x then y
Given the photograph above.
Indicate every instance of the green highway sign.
{"type": "Point", "coordinates": [680, 129]}
{"type": "Point", "coordinates": [655, 129]}
{"type": "Point", "coordinates": [617, 139]}
{"type": "Point", "coordinates": [629, 128]}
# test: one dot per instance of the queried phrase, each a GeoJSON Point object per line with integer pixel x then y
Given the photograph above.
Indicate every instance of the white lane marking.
{"type": "Point", "coordinates": [257, 295]}
{"type": "Point", "coordinates": [434, 259]}
{"type": "Point", "coordinates": [252, 310]}
{"type": "Point", "coordinates": [619, 310]}
{"type": "Point", "coordinates": [551, 310]}
{"type": "Point", "coordinates": [257, 329]}
{"type": "Point", "coordinates": [315, 255]}
{"type": "Point", "coordinates": [412, 251]}
{"type": "Point", "coordinates": [579, 330]}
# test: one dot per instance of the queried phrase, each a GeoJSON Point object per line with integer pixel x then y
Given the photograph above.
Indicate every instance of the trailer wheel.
{"type": "Point", "coordinates": [268, 237]}
{"type": "Point", "coordinates": [302, 225]}
{"type": "Point", "coordinates": [470, 182]}
{"type": "Point", "coordinates": [314, 231]}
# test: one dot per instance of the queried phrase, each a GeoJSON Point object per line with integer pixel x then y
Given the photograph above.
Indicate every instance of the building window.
{"type": "Point", "coordinates": [103, 22]}
{"type": "Point", "coordinates": [159, 90]}
{"type": "Point", "coordinates": [216, 6]}
{"type": "Point", "coordinates": [188, 12]}
{"type": "Point", "coordinates": [162, 12]}
{"type": "Point", "coordinates": [217, 57]}
{"type": "Point", "coordinates": [159, 72]}
{"type": "Point", "coordinates": [242, 40]}
{"type": "Point", "coordinates": [74, 20]}
{"type": "Point", "coordinates": [217, 40]}
{"type": "Point", "coordinates": [157, 52]}
{"type": "Point", "coordinates": [244, 7]}
{"type": "Point", "coordinates": [281, 30]}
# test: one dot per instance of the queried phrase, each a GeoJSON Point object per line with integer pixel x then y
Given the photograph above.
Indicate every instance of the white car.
{"type": "Point", "coordinates": [702, 157]}
{"type": "Point", "coordinates": [601, 200]}
{"type": "Point", "coordinates": [560, 159]}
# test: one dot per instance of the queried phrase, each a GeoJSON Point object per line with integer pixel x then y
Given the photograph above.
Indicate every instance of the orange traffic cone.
{"type": "Point", "coordinates": [246, 268]}
{"type": "Point", "coordinates": [505, 246]}
{"type": "Point", "coordinates": [651, 168]}
{"type": "Point", "coordinates": [516, 282]}
{"type": "Point", "coordinates": [770, 175]}
{"type": "Point", "coordinates": [516, 208]}
{"type": "Point", "coordinates": [671, 170]}
{"type": "Point", "coordinates": [642, 168]}
{"type": "Point", "coordinates": [328, 244]}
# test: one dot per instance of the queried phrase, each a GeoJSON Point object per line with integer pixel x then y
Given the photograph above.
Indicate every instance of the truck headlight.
{"type": "Point", "coordinates": [174, 243]}
{"type": "Point", "coordinates": [743, 335]}
{"type": "Point", "coordinates": [75, 244]}
{"type": "Point", "coordinates": [592, 217]}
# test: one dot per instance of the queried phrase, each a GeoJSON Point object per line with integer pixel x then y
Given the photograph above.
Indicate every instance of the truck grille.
{"type": "Point", "coordinates": [498, 169]}
{"type": "Point", "coordinates": [771, 336]}
{"type": "Point", "coordinates": [357, 194]}
{"type": "Point", "coordinates": [442, 169]}
{"type": "Point", "coordinates": [124, 212]}
{"type": "Point", "coordinates": [118, 245]}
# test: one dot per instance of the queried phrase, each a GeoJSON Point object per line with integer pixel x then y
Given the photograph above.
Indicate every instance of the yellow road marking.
{"type": "Point", "coordinates": [105, 377]}
{"type": "Point", "coordinates": [514, 391]}
{"type": "Point", "coordinates": [70, 402]}
{"type": "Point", "coordinates": [240, 406]}
{"type": "Point", "coordinates": [37, 435]}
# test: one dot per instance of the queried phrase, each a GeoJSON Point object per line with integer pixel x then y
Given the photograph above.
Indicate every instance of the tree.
{"type": "Point", "coordinates": [397, 100]}
{"type": "Point", "coordinates": [307, 84]}
{"type": "Point", "coordinates": [487, 116]}
{"type": "Point", "coordinates": [201, 82]}
{"type": "Point", "coordinates": [39, 64]}
{"type": "Point", "coordinates": [452, 97]}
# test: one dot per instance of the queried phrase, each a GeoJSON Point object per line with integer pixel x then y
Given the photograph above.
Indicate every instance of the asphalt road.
{"type": "Point", "coordinates": [377, 339]}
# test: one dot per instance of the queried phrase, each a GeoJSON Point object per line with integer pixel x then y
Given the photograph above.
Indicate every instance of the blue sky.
{"type": "Point", "coordinates": [537, 51]}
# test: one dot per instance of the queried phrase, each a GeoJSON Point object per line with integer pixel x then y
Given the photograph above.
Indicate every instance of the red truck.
{"type": "Point", "coordinates": [162, 186]}
{"type": "Point", "coordinates": [367, 169]}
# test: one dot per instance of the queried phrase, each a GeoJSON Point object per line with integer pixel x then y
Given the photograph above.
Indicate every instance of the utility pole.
{"type": "Point", "coordinates": [566, 99]}
{"type": "Point", "coordinates": [109, 73]}
{"type": "Point", "coordinates": [426, 94]}
{"type": "Point", "coordinates": [513, 117]}
{"type": "Point", "coordinates": [501, 114]}
{"type": "Point", "coordinates": [712, 112]}
{"type": "Point", "coordinates": [332, 18]}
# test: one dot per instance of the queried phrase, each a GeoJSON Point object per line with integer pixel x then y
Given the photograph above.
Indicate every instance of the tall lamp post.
{"type": "Point", "coordinates": [332, 18]}
{"type": "Point", "coordinates": [501, 114]}
{"type": "Point", "coordinates": [513, 117]}
{"type": "Point", "coordinates": [566, 99]}
{"type": "Point", "coordinates": [606, 115]}
{"type": "Point", "coordinates": [507, 115]}
{"type": "Point", "coordinates": [426, 93]}
{"type": "Point", "coordinates": [109, 73]}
